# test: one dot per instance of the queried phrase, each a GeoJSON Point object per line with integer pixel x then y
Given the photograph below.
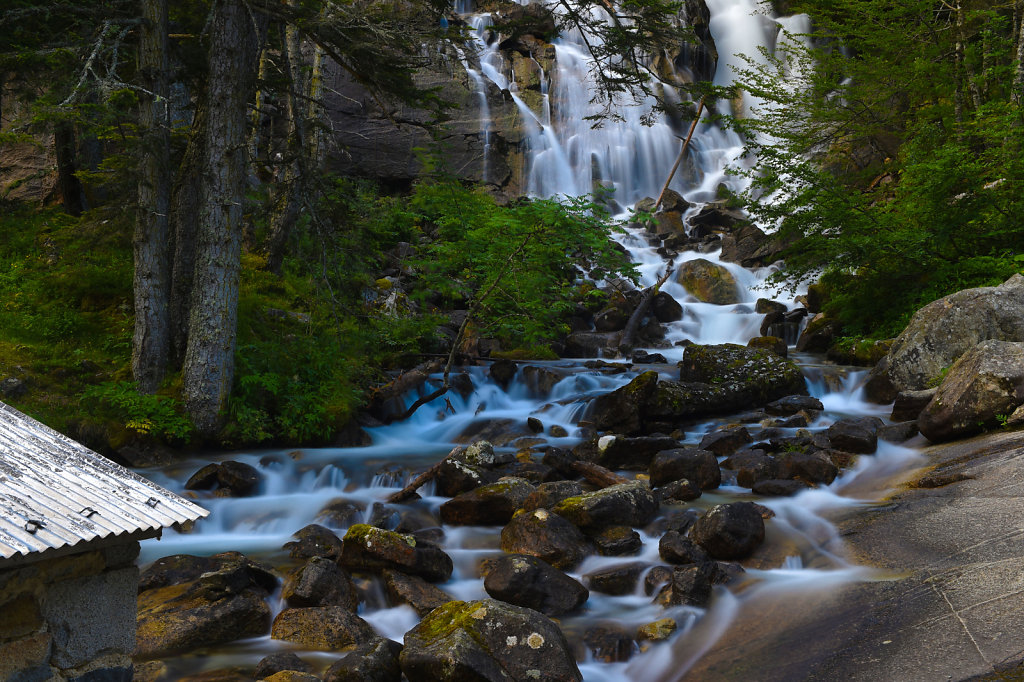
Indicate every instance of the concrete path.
{"type": "Point", "coordinates": [949, 601]}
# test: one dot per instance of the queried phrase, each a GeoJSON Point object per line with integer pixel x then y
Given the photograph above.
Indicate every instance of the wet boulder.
{"type": "Point", "coordinates": [609, 643]}
{"type": "Point", "coordinates": [750, 247]}
{"type": "Point", "coordinates": [770, 343]}
{"type": "Point", "coordinates": [549, 494]}
{"type": "Point", "coordinates": [531, 582]}
{"type": "Point", "coordinates": [726, 441]}
{"type": "Point", "coordinates": [184, 568]}
{"type": "Point", "coordinates": [625, 503]}
{"type": "Point", "coordinates": [312, 541]}
{"type": "Point", "coordinates": [617, 541]}
{"type": "Point", "coordinates": [708, 282]}
{"type": "Point", "coordinates": [899, 432]}
{"type": "Point", "coordinates": [779, 487]}
{"type": "Point", "coordinates": [700, 467]}
{"type": "Point", "coordinates": [729, 531]}
{"type": "Point", "coordinates": [323, 628]}
{"type": "Point", "coordinates": [621, 409]}
{"type": "Point", "coordinates": [690, 585]}
{"type": "Point", "coordinates": [585, 344]}
{"type": "Point", "coordinates": [792, 404]}
{"type": "Point", "coordinates": [502, 372]}
{"type": "Point", "coordinates": [487, 640]}
{"type": "Point", "coordinates": [373, 661]}
{"type": "Point", "coordinates": [487, 505]}
{"type": "Point", "coordinates": [909, 404]}
{"type": "Point", "coordinates": [945, 329]}
{"type": "Point", "coordinates": [812, 467]}
{"type": "Point", "coordinates": [677, 491]}
{"type": "Point", "coordinates": [219, 606]}
{"type": "Point", "coordinates": [623, 452]}
{"type": "Point", "coordinates": [985, 385]}
{"type": "Point", "coordinates": [817, 336]}
{"type": "Point", "coordinates": [320, 582]}
{"type": "Point", "coordinates": [455, 477]}
{"type": "Point", "coordinates": [752, 466]}
{"type": "Point", "coordinates": [677, 549]}
{"type": "Point", "coordinates": [372, 550]}
{"type": "Point", "coordinates": [666, 308]}
{"type": "Point", "coordinates": [756, 376]}
{"type": "Point", "coordinates": [546, 535]}
{"type": "Point", "coordinates": [619, 579]}
{"type": "Point", "coordinates": [855, 435]}
{"type": "Point", "coordinates": [414, 591]}
{"type": "Point", "coordinates": [280, 662]}
{"type": "Point", "coordinates": [540, 380]}
{"type": "Point", "coordinates": [230, 478]}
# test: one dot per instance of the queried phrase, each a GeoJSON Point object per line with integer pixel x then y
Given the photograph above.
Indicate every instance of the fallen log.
{"type": "Point", "coordinates": [415, 484]}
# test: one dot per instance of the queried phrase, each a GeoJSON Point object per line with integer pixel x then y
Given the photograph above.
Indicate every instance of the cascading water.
{"type": "Point", "coordinates": [337, 487]}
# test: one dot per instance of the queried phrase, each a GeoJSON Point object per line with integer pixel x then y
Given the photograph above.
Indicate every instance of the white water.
{"type": "Point", "coordinates": [567, 156]}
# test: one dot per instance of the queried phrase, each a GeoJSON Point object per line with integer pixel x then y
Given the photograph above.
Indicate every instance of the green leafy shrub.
{"type": "Point", "coordinates": [149, 415]}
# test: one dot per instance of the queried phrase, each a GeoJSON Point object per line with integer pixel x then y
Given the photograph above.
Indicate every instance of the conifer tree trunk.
{"type": "Point", "coordinates": [69, 189]}
{"type": "Point", "coordinates": [152, 277]}
{"type": "Point", "coordinates": [1018, 75]}
{"type": "Point", "coordinates": [208, 368]}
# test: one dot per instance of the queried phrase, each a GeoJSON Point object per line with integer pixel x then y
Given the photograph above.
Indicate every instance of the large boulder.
{"type": "Point", "coordinates": [531, 582]}
{"type": "Point", "coordinates": [749, 246]}
{"type": "Point", "coordinates": [223, 605]}
{"type": "Point", "coordinates": [414, 591]}
{"type": "Point", "coordinates": [708, 282]}
{"type": "Point", "coordinates": [373, 661]}
{"type": "Point", "coordinates": [620, 452]}
{"type": "Point", "coordinates": [729, 531]}
{"type": "Point", "coordinates": [986, 382]}
{"type": "Point", "coordinates": [319, 583]}
{"type": "Point", "coordinates": [373, 549]}
{"type": "Point", "coordinates": [487, 640]}
{"type": "Point", "coordinates": [626, 503]}
{"type": "Point", "coordinates": [621, 409]}
{"type": "Point", "coordinates": [945, 329]}
{"type": "Point", "coordinates": [758, 374]}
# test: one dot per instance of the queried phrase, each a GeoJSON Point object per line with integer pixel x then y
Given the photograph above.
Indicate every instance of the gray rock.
{"type": "Point", "coordinates": [729, 531]}
{"type": "Point", "coordinates": [543, 534]}
{"type": "Point", "coordinates": [487, 505]}
{"type": "Point", "coordinates": [325, 628]}
{"type": "Point", "coordinates": [531, 582]}
{"type": "Point", "coordinates": [700, 467]}
{"type": "Point", "coordinates": [985, 383]}
{"type": "Point", "coordinates": [372, 549]}
{"type": "Point", "coordinates": [855, 435]}
{"type": "Point", "coordinates": [708, 282]}
{"type": "Point", "coordinates": [945, 329]}
{"type": "Point", "coordinates": [374, 661]}
{"type": "Point", "coordinates": [319, 583]}
{"type": "Point", "coordinates": [909, 404]}
{"type": "Point", "coordinates": [626, 503]}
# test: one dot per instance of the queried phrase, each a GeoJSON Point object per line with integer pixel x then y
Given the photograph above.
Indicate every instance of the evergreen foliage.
{"type": "Point", "coordinates": [889, 157]}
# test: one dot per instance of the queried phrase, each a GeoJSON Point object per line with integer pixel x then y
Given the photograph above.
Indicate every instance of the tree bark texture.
{"type": "Point", "coordinates": [152, 278]}
{"type": "Point", "coordinates": [208, 369]}
{"type": "Point", "coordinates": [68, 187]}
{"type": "Point", "coordinates": [184, 221]}
{"type": "Point", "coordinates": [1018, 75]}
{"type": "Point", "coordinates": [289, 203]}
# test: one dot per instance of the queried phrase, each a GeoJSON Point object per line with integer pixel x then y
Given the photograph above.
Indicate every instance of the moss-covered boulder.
{"type": "Point", "coordinates": [543, 534]}
{"type": "Point", "coordinates": [414, 591]}
{"type": "Point", "coordinates": [621, 410]}
{"type": "Point", "coordinates": [487, 640]}
{"type": "Point", "coordinates": [371, 549]}
{"type": "Point", "coordinates": [626, 503]}
{"type": "Point", "coordinates": [324, 628]}
{"type": "Point", "coordinates": [708, 282]}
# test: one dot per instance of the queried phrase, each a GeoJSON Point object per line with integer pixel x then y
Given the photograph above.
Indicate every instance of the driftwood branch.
{"type": "Point", "coordinates": [424, 478]}
{"type": "Point", "coordinates": [626, 340]}
{"type": "Point", "coordinates": [567, 465]}
{"type": "Point", "coordinates": [682, 153]}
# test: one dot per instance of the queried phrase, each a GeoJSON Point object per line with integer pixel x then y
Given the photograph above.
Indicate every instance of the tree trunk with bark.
{"type": "Point", "coordinates": [152, 276]}
{"type": "Point", "coordinates": [208, 369]}
{"type": "Point", "coordinates": [69, 189]}
{"type": "Point", "coordinates": [184, 222]}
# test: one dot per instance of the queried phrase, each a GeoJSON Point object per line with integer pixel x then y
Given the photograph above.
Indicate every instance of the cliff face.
{"type": "Point", "coordinates": [28, 170]}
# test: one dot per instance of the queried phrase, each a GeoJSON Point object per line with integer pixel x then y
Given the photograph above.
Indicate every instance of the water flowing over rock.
{"type": "Point", "coordinates": [708, 282]}
{"type": "Point", "coordinates": [487, 640]}
{"type": "Point", "coordinates": [985, 383]}
{"type": "Point", "coordinates": [945, 329]}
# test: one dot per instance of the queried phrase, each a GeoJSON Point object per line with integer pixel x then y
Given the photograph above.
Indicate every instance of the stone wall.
{"type": "Point", "coordinates": [70, 618]}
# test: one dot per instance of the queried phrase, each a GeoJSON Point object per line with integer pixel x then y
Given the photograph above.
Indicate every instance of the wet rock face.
{"type": "Point", "coordinates": [986, 382]}
{"type": "Point", "coordinates": [374, 661]}
{"type": "Point", "coordinates": [945, 329]}
{"type": "Point", "coordinates": [616, 580]}
{"type": "Point", "coordinates": [531, 582]}
{"type": "Point", "coordinates": [414, 591]}
{"type": "Point", "coordinates": [487, 640]}
{"type": "Point", "coordinates": [729, 531]}
{"type": "Point", "coordinates": [313, 541]}
{"type": "Point", "coordinates": [234, 479]}
{"type": "Point", "coordinates": [855, 435]}
{"type": "Point", "coordinates": [371, 549]}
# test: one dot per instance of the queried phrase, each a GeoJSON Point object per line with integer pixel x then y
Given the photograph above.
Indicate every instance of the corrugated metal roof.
{"type": "Point", "coordinates": [55, 492]}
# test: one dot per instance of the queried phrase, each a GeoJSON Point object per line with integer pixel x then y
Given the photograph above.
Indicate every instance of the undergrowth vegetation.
{"type": "Point", "coordinates": [364, 289]}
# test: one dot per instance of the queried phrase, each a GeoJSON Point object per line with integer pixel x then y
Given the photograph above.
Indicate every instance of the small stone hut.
{"type": "Point", "coordinates": [70, 525]}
